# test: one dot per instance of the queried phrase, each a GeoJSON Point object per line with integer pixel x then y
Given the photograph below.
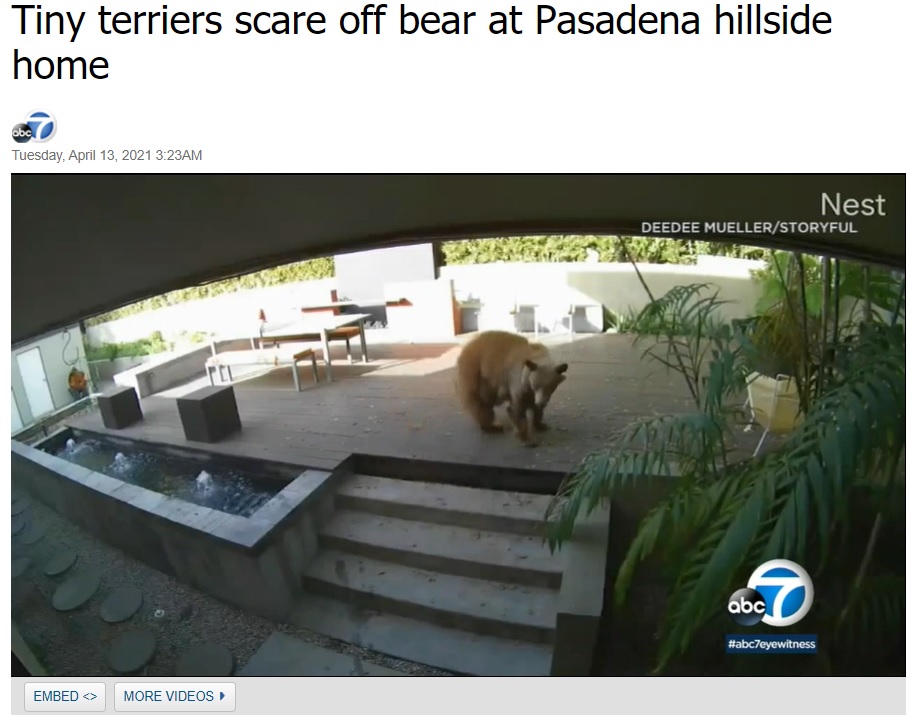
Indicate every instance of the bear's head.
{"type": "Point", "coordinates": [544, 379]}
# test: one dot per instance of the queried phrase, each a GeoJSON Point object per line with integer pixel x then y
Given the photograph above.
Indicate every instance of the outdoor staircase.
{"type": "Point", "coordinates": [451, 577]}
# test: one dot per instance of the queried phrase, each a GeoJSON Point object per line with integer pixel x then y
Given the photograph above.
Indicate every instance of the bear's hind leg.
{"type": "Point", "coordinates": [486, 419]}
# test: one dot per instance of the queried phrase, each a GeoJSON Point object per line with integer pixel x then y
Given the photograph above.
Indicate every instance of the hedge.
{"type": "Point", "coordinates": [574, 249]}
{"type": "Point", "coordinates": [290, 273]}
{"type": "Point", "coordinates": [530, 249]}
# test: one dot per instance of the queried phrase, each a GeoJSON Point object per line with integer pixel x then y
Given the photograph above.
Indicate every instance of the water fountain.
{"type": "Point", "coordinates": [227, 490]}
{"type": "Point", "coordinates": [204, 482]}
{"type": "Point", "coordinates": [175, 508]}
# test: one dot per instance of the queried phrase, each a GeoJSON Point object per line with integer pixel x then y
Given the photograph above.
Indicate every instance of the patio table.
{"type": "Point", "coordinates": [314, 327]}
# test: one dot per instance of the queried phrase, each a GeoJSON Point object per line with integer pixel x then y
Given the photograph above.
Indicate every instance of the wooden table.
{"type": "Point", "coordinates": [332, 307]}
{"type": "Point", "coordinates": [317, 327]}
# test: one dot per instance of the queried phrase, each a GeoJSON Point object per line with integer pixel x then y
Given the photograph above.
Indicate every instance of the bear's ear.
{"type": "Point", "coordinates": [562, 368]}
{"type": "Point", "coordinates": [530, 365]}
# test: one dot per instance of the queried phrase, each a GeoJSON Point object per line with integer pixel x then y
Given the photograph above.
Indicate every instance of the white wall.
{"type": "Point", "coordinates": [56, 352]}
{"type": "Point", "coordinates": [614, 285]}
{"type": "Point", "coordinates": [224, 315]}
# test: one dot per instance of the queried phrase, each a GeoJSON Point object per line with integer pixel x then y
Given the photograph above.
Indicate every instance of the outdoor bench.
{"type": "Point", "coordinates": [265, 356]}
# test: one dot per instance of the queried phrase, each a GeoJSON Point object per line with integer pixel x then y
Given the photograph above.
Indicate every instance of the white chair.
{"type": "Point", "coordinates": [774, 405]}
{"type": "Point", "coordinates": [553, 315]}
{"type": "Point", "coordinates": [499, 312]}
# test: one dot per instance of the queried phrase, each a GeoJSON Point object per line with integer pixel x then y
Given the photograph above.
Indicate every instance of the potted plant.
{"type": "Point", "coordinates": [782, 342]}
{"type": "Point", "coordinates": [806, 306]}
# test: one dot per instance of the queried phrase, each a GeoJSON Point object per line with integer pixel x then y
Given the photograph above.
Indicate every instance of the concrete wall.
{"type": "Point", "coordinates": [614, 285]}
{"type": "Point", "coordinates": [366, 275]}
{"type": "Point", "coordinates": [362, 275]}
{"type": "Point", "coordinates": [166, 370]}
{"type": "Point", "coordinates": [103, 370]}
{"type": "Point", "coordinates": [426, 309]}
{"type": "Point", "coordinates": [57, 350]}
{"type": "Point", "coordinates": [223, 315]}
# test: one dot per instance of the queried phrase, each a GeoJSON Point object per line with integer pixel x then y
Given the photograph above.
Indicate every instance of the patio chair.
{"type": "Point", "coordinates": [553, 315]}
{"type": "Point", "coordinates": [498, 313]}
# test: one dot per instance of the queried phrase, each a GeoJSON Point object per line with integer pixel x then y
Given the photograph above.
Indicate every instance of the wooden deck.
{"type": "Point", "coordinates": [402, 404]}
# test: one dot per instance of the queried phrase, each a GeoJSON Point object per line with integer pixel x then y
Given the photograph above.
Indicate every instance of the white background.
{"type": "Point", "coordinates": [844, 102]}
{"type": "Point", "coordinates": [838, 102]}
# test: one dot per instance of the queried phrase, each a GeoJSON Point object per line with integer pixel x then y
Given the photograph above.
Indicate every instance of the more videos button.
{"type": "Point", "coordinates": [181, 697]}
{"type": "Point", "coordinates": [65, 697]}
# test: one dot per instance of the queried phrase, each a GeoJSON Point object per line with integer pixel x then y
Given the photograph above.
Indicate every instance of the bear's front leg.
{"type": "Point", "coordinates": [538, 419]}
{"type": "Point", "coordinates": [519, 418]}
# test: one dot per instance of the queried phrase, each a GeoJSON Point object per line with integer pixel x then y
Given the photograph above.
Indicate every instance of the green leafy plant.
{"type": "Point", "coordinates": [824, 498]}
{"type": "Point", "coordinates": [574, 249]}
{"type": "Point", "coordinates": [800, 314]}
{"type": "Point", "coordinates": [785, 274]}
{"type": "Point", "coordinates": [776, 280]}
{"type": "Point", "coordinates": [152, 345]}
{"type": "Point", "coordinates": [290, 273]}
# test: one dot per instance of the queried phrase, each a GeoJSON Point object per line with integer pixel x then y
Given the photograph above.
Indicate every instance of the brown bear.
{"type": "Point", "coordinates": [497, 367]}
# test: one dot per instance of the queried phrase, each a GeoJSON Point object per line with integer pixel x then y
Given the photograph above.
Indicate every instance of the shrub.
{"type": "Point", "coordinates": [289, 273]}
{"type": "Point", "coordinates": [575, 249]}
{"type": "Point", "coordinates": [137, 348]}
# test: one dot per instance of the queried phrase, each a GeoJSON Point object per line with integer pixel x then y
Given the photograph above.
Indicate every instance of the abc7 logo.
{"type": "Point", "coordinates": [779, 593]}
{"type": "Point", "coordinates": [40, 126]}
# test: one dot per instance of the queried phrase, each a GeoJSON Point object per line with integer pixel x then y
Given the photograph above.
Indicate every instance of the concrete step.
{"type": "Point", "coordinates": [486, 607]}
{"type": "Point", "coordinates": [282, 655]}
{"type": "Point", "coordinates": [455, 550]}
{"type": "Point", "coordinates": [484, 509]}
{"type": "Point", "coordinates": [418, 641]}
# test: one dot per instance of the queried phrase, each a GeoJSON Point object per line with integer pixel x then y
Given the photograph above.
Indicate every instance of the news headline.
{"type": "Point", "coordinates": [378, 19]}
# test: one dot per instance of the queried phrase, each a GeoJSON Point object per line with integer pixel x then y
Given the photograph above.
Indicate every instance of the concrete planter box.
{"type": "Point", "coordinates": [774, 402]}
{"type": "Point", "coordinates": [252, 563]}
{"type": "Point", "coordinates": [161, 372]}
{"type": "Point", "coordinates": [104, 370]}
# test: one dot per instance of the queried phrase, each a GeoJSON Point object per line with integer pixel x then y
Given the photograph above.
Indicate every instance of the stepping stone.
{"type": "Point", "coordinates": [19, 523]}
{"type": "Point", "coordinates": [20, 566]}
{"type": "Point", "coordinates": [205, 660]}
{"type": "Point", "coordinates": [121, 604]}
{"type": "Point", "coordinates": [60, 562]}
{"type": "Point", "coordinates": [20, 504]}
{"type": "Point", "coordinates": [32, 534]}
{"type": "Point", "coordinates": [282, 655]}
{"type": "Point", "coordinates": [75, 591]}
{"type": "Point", "coordinates": [132, 651]}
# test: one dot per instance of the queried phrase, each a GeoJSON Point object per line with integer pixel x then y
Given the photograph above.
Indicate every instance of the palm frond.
{"type": "Point", "coordinates": [877, 613]}
{"type": "Point", "coordinates": [712, 567]}
{"type": "Point", "coordinates": [688, 445]}
{"type": "Point", "coordinates": [788, 499]}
